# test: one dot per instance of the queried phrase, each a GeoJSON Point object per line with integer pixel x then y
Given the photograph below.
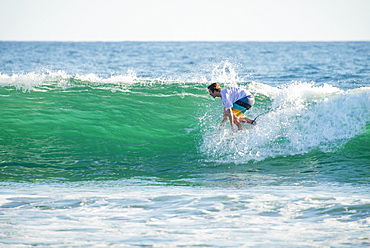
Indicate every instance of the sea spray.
{"type": "Point", "coordinates": [308, 118]}
{"type": "Point", "coordinates": [226, 73]}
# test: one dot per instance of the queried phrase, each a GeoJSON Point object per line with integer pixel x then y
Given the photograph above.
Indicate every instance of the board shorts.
{"type": "Point", "coordinates": [242, 105]}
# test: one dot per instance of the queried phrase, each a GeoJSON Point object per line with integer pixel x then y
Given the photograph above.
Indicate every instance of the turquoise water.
{"type": "Point", "coordinates": [117, 144]}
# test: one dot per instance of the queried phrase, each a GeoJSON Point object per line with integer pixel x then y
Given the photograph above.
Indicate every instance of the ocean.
{"type": "Point", "coordinates": [117, 144]}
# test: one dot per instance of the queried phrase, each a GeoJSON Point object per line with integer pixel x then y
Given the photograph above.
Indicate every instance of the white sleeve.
{"type": "Point", "coordinates": [226, 101]}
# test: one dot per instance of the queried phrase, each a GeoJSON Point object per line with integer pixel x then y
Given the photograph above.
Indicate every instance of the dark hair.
{"type": "Point", "coordinates": [214, 87]}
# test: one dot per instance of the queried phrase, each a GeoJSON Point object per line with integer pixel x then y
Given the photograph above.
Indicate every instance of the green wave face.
{"type": "Point", "coordinates": [73, 129]}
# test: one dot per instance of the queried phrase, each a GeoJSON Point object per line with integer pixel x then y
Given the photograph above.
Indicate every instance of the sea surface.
{"type": "Point", "coordinates": [107, 144]}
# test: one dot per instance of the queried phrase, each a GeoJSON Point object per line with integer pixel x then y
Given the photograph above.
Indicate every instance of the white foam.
{"type": "Point", "coordinates": [38, 81]}
{"type": "Point", "coordinates": [115, 213]}
{"type": "Point", "coordinates": [130, 77]}
{"type": "Point", "coordinates": [30, 81]}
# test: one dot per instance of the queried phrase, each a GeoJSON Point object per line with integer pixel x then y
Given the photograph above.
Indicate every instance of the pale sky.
{"type": "Point", "coordinates": [184, 20]}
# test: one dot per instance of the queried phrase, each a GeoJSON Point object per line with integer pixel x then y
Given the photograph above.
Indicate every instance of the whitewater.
{"type": "Point", "coordinates": [118, 145]}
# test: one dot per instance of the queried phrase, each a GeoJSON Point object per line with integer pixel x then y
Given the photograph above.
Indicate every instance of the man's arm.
{"type": "Point", "coordinates": [228, 114]}
{"type": "Point", "coordinates": [224, 119]}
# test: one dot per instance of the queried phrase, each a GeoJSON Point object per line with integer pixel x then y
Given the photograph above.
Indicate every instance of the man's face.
{"type": "Point", "coordinates": [214, 94]}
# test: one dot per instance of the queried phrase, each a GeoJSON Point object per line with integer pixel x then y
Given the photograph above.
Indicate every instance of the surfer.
{"type": "Point", "coordinates": [235, 101]}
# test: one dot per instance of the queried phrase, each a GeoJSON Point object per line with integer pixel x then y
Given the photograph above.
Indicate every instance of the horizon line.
{"type": "Point", "coordinates": [184, 41]}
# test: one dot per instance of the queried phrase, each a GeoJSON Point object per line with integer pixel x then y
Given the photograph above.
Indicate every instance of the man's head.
{"type": "Point", "coordinates": [214, 90]}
